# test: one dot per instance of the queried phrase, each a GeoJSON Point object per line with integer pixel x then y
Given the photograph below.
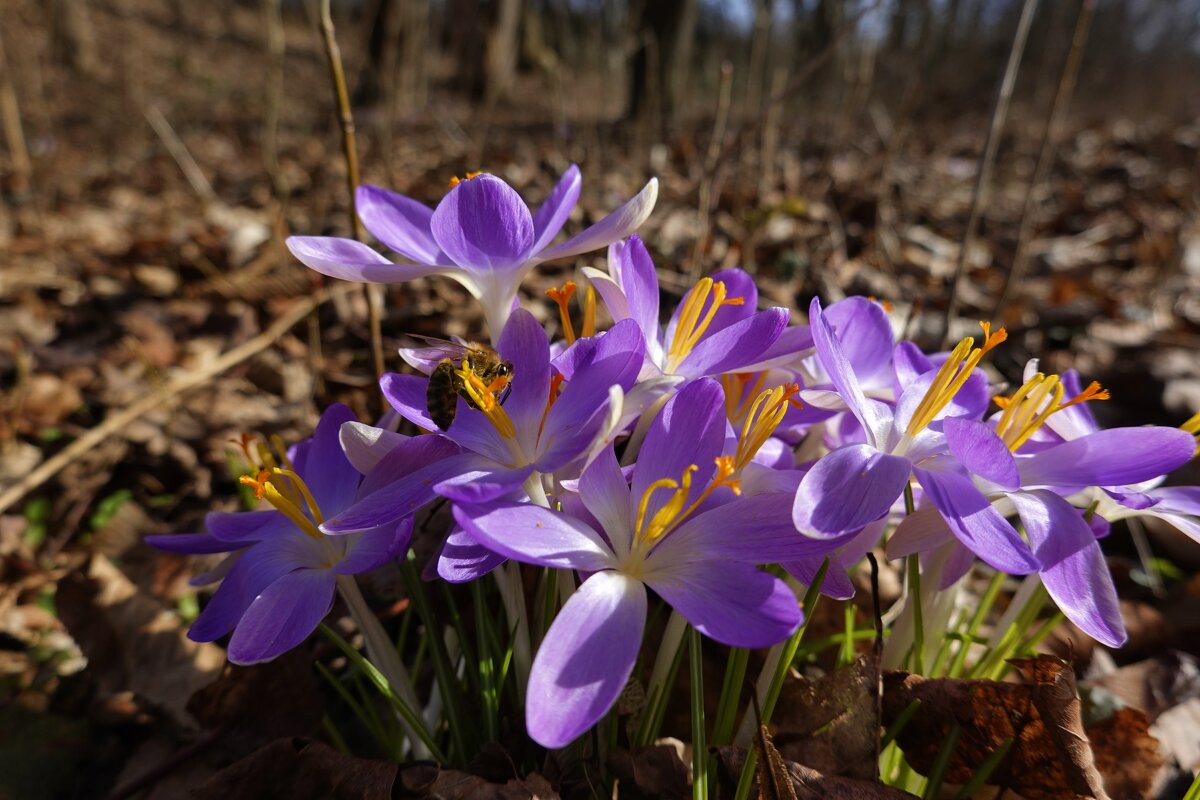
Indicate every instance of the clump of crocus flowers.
{"type": "Point", "coordinates": [715, 468]}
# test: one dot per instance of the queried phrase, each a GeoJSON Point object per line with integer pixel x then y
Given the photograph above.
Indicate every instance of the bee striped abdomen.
{"type": "Point", "coordinates": [441, 396]}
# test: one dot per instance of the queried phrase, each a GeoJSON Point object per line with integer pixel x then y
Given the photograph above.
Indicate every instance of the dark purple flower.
{"type": "Point", "coordinates": [278, 582]}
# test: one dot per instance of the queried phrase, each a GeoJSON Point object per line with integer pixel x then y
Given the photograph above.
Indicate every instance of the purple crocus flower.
{"type": "Point", "coordinates": [278, 582]}
{"type": "Point", "coordinates": [988, 465]}
{"type": "Point", "coordinates": [716, 329]}
{"type": "Point", "coordinates": [669, 532]}
{"type": "Point", "coordinates": [857, 484]}
{"type": "Point", "coordinates": [534, 432]}
{"type": "Point", "coordinates": [481, 234]}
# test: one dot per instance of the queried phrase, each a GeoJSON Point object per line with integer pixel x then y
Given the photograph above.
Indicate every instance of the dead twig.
{"type": "Point", "coordinates": [373, 292]}
{"type": "Point", "coordinates": [14, 134]}
{"type": "Point", "coordinates": [987, 159]}
{"type": "Point", "coordinates": [1050, 138]}
{"type": "Point", "coordinates": [711, 163]}
{"type": "Point", "coordinates": [178, 150]}
{"type": "Point", "coordinates": [183, 383]}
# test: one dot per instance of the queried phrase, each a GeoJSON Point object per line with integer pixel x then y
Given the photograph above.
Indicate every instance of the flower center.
{"type": "Point", "coordinates": [694, 318]}
{"type": "Point", "coordinates": [673, 513]}
{"type": "Point", "coordinates": [483, 395]}
{"type": "Point", "coordinates": [455, 180]}
{"type": "Point", "coordinates": [740, 390]}
{"type": "Point", "coordinates": [764, 416]}
{"type": "Point", "coordinates": [1035, 402]}
{"type": "Point", "coordinates": [951, 377]}
{"type": "Point", "coordinates": [281, 487]}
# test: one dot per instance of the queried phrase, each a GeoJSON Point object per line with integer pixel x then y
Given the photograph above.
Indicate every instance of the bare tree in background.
{"type": "Point", "coordinates": [665, 31]}
{"type": "Point", "coordinates": [72, 35]}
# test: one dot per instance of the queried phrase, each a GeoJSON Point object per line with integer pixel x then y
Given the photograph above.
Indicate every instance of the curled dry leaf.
{"type": "Point", "coordinates": [1050, 755]}
{"type": "Point", "coordinates": [655, 773]}
{"type": "Point", "coordinates": [267, 701]}
{"type": "Point", "coordinates": [807, 784]}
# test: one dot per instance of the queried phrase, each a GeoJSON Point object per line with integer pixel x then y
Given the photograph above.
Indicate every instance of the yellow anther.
{"type": "Point", "coordinates": [1192, 426]}
{"type": "Point", "coordinates": [258, 481]}
{"type": "Point", "coordinates": [265, 488]}
{"type": "Point", "coordinates": [300, 486]}
{"type": "Point", "coordinates": [483, 396]}
{"type": "Point", "coordinates": [562, 297]}
{"type": "Point", "coordinates": [952, 375]}
{"type": "Point", "coordinates": [1036, 401]}
{"type": "Point", "coordinates": [556, 381]}
{"type": "Point", "coordinates": [455, 180]}
{"type": "Point", "coordinates": [765, 415]}
{"type": "Point", "coordinates": [672, 513]}
{"type": "Point", "coordinates": [281, 451]}
{"type": "Point", "coordinates": [694, 318]}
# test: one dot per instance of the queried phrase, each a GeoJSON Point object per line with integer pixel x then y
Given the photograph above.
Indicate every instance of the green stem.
{"type": "Point", "coordinates": [699, 749]}
{"type": "Point", "coordinates": [1193, 793]}
{"type": "Point", "coordinates": [914, 597]}
{"type": "Point", "coordinates": [981, 611]}
{"type": "Point", "coordinates": [656, 690]}
{"type": "Point", "coordinates": [382, 654]}
{"type": "Point", "coordinates": [941, 764]}
{"type": "Point", "coordinates": [512, 594]}
{"type": "Point", "coordinates": [731, 691]}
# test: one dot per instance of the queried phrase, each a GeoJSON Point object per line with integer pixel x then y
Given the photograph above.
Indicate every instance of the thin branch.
{"type": "Point", "coordinates": [191, 379]}
{"type": "Point", "coordinates": [178, 150]}
{"type": "Point", "coordinates": [14, 134]}
{"type": "Point", "coordinates": [987, 159]}
{"type": "Point", "coordinates": [1050, 138]}
{"type": "Point", "coordinates": [373, 292]}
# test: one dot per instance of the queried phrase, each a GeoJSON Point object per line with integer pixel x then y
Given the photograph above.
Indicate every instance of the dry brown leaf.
{"type": "Point", "coordinates": [651, 772]}
{"type": "Point", "coordinates": [1050, 756]}
{"type": "Point", "coordinates": [274, 699]}
{"type": "Point", "coordinates": [132, 642]}
{"type": "Point", "coordinates": [807, 784]}
{"type": "Point", "coordinates": [300, 769]}
{"type": "Point", "coordinates": [1126, 754]}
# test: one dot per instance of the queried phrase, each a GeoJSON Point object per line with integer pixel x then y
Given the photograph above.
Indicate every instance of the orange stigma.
{"type": "Point", "coordinates": [455, 180]}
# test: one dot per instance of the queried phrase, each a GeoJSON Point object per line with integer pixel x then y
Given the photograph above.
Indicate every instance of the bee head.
{"type": "Point", "coordinates": [504, 369]}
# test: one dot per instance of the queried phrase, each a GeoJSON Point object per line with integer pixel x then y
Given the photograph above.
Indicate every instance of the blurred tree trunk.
{"type": "Point", "coordinates": [898, 27]}
{"type": "Point", "coordinates": [503, 47]}
{"type": "Point", "coordinates": [481, 36]}
{"type": "Point", "coordinates": [72, 35]}
{"type": "Point", "coordinates": [664, 34]}
{"type": "Point", "coordinates": [380, 39]}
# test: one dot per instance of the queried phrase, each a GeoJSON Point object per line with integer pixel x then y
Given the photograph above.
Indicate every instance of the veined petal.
{"type": "Point", "coordinates": [690, 430]}
{"type": "Point", "coordinates": [735, 604]}
{"type": "Point", "coordinates": [630, 264]}
{"type": "Point", "coordinates": [836, 583]}
{"type": "Point", "coordinates": [922, 531]}
{"type": "Point", "coordinates": [972, 517]}
{"type": "Point", "coordinates": [552, 215]}
{"type": "Point", "coordinates": [981, 451]}
{"type": "Point", "coordinates": [328, 473]}
{"type": "Point", "coordinates": [483, 225]}
{"type": "Point", "coordinates": [251, 573]}
{"type": "Point", "coordinates": [191, 543]}
{"type": "Point", "coordinates": [1073, 567]}
{"type": "Point", "coordinates": [350, 260]}
{"type": "Point", "coordinates": [865, 333]}
{"type": "Point", "coordinates": [536, 535]}
{"type": "Point", "coordinates": [372, 549]}
{"type": "Point", "coordinates": [1113, 457]}
{"type": "Point", "coordinates": [408, 456]}
{"type": "Point", "coordinates": [752, 530]}
{"type": "Point", "coordinates": [610, 291]}
{"type": "Point", "coordinates": [1072, 422]}
{"type": "Point", "coordinates": [733, 347]}
{"type": "Point", "coordinates": [364, 445]}
{"type": "Point", "coordinates": [400, 222]}
{"type": "Point", "coordinates": [604, 490]}
{"type": "Point", "coordinates": [872, 416]}
{"type": "Point", "coordinates": [282, 616]}
{"type": "Point", "coordinates": [245, 527]}
{"type": "Point", "coordinates": [483, 484]}
{"type": "Point", "coordinates": [617, 225]}
{"type": "Point", "coordinates": [848, 488]}
{"type": "Point", "coordinates": [585, 659]}
{"type": "Point", "coordinates": [398, 499]}
{"type": "Point", "coordinates": [406, 394]}
{"type": "Point", "coordinates": [463, 559]}
{"type": "Point", "coordinates": [524, 343]}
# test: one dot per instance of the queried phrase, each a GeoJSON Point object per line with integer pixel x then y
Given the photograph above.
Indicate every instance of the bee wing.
{"type": "Point", "coordinates": [426, 356]}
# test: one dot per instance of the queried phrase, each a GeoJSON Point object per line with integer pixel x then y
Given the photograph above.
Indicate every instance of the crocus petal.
{"type": "Point", "coordinates": [690, 430]}
{"type": "Point", "coordinates": [371, 549]}
{"type": "Point", "coordinates": [1113, 457]}
{"type": "Point", "coordinates": [463, 559]}
{"type": "Point", "coordinates": [536, 535]}
{"type": "Point", "coordinates": [753, 530]}
{"type": "Point", "coordinates": [731, 348]}
{"type": "Point", "coordinates": [191, 544]}
{"type": "Point", "coordinates": [604, 490]}
{"type": "Point", "coordinates": [617, 225]}
{"type": "Point", "coordinates": [1072, 422]}
{"type": "Point", "coordinates": [863, 328]}
{"type": "Point", "coordinates": [792, 344]}
{"type": "Point", "coordinates": [351, 260]}
{"type": "Point", "coordinates": [482, 485]}
{"type": "Point", "coordinates": [328, 473]}
{"type": "Point", "coordinates": [406, 394]}
{"type": "Point", "coordinates": [549, 219]}
{"type": "Point", "coordinates": [981, 451]}
{"type": "Point", "coordinates": [400, 498]}
{"type": "Point", "coordinates": [836, 583]}
{"type": "Point", "coordinates": [400, 222]}
{"type": "Point", "coordinates": [910, 363]}
{"type": "Point", "coordinates": [833, 358]}
{"type": "Point", "coordinates": [609, 290]}
{"type": "Point", "coordinates": [282, 616]}
{"type": "Point", "coordinates": [408, 456]}
{"type": "Point", "coordinates": [1073, 567]}
{"type": "Point", "coordinates": [585, 659]}
{"type": "Point", "coordinates": [524, 343]}
{"type": "Point", "coordinates": [970, 401]}
{"type": "Point", "coordinates": [364, 445]}
{"type": "Point", "coordinates": [922, 531]}
{"type": "Point", "coordinates": [735, 604]}
{"type": "Point", "coordinates": [245, 527]}
{"type": "Point", "coordinates": [973, 518]}
{"type": "Point", "coordinates": [848, 488]}
{"type": "Point", "coordinates": [631, 266]}
{"type": "Point", "coordinates": [254, 571]}
{"type": "Point", "coordinates": [483, 225]}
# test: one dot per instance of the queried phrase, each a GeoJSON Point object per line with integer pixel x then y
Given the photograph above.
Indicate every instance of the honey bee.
{"type": "Point", "coordinates": [446, 383]}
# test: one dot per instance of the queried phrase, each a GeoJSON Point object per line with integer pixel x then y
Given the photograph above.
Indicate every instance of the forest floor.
{"type": "Point", "coordinates": [121, 280]}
